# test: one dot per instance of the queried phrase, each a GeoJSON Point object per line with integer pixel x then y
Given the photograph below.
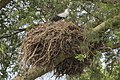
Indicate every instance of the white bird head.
{"type": "Point", "coordinates": [65, 13]}
{"type": "Point", "coordinates": [66, 10]}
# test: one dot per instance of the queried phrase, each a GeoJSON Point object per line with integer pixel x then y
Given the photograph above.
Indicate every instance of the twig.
{"type": "Point", "coordinates": [14, 33]}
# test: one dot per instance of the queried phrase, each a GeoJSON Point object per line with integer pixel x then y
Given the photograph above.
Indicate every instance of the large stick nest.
{"type": "Point", "coordinates": [44, 43]}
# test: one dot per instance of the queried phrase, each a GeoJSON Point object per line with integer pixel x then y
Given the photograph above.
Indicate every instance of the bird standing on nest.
{"type": "Point", "coordinates": [61, 15]}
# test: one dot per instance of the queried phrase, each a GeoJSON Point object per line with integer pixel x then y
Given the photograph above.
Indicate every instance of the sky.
{"type": "Point", "coordinates": [49, 76]}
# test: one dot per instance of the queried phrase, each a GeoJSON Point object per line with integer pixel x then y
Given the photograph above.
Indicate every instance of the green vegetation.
{"type": "Point", "coordinates": [101, 19]}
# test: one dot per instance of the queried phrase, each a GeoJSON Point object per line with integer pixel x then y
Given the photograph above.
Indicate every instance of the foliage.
{"type": "Point", "coordinates": [19, 16]}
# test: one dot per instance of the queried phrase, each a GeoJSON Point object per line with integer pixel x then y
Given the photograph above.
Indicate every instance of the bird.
{"type": "Point", "coordinates": [61, 15]}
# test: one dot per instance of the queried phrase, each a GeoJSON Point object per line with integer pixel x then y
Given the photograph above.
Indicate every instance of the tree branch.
{"type": "Point", "coordinates": [106, 49]}
{"type": "Point", "coordinates": [14, 33]}
{"type": "Point", "coordinates": [3, 3]}
{"type": "Point", "coordinates": [31, 74]}
{"type": "Point", "coordinates": [110, 23]}
{"type": "Point", "coordinates": [36, 72]}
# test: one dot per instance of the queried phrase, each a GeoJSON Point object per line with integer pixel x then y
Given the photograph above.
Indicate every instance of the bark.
{"type": "Point", "coordinates": [35, 72]}
{"type": "Point", "coordinates": [31, 74]}
{"type": "Point", "coordinates": [3, 3]}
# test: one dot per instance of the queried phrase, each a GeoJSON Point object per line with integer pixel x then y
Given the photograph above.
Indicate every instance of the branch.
{"type": "Point", "coordinates": [106, 49]}
{"type": "Point", "coordinates": [110, 23]}
{"type": "Point", "coordinates": [36, 72]}
{"type": "Point", "coordinates": [3, 3]}
{"type": "Point", "coordinates": [14, 33]}
{"type": "Point", "coordinates": [31, 74]}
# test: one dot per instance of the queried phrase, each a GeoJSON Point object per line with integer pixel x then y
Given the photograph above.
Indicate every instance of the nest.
{"type": "Point", "coordinates": [44, 43]}
{"type": "Point", "coordinates": [71, 66]}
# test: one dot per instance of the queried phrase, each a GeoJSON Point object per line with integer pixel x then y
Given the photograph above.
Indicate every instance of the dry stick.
{"type": "Point", "coordinates": [32, 54]}
{"type": "Point", "coordinates": [43, 48]}
{"type": "Point", "coordinates": [48, 50]}
{"type": "Point", "coordinates": [57, 52]}
{"type": "Point", "coordinates": [41, 57]}
{"type": "Point", "coordinates": [61, 40]}
{"type": "Point", "coordinates": [45, 54]}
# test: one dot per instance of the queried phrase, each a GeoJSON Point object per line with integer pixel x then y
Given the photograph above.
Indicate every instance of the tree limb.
{"type": "Point", "coordinates": [35, 72]}
{"type": "Point", "coordinates": [110, 23]}
{"type": "Point", "coordinates": [14, 33]}
{"type": "Point", "coordinates": [106, 49]}
{"type": "Point", "coordinates": [31, 74]}
{"type": "Point", "coordinates": [3, 3]}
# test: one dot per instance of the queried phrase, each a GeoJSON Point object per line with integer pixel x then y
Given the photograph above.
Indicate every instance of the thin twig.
{"type": "Point", "coordinates": [14, 33]}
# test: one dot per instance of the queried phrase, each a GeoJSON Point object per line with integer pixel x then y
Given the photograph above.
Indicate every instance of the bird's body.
{"type": "Point", "coordinates": [56, 18]}
{"type": "Point", "coordinates": [64, 14]}
{"type": "Point", "coordinates": [61, 15]}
